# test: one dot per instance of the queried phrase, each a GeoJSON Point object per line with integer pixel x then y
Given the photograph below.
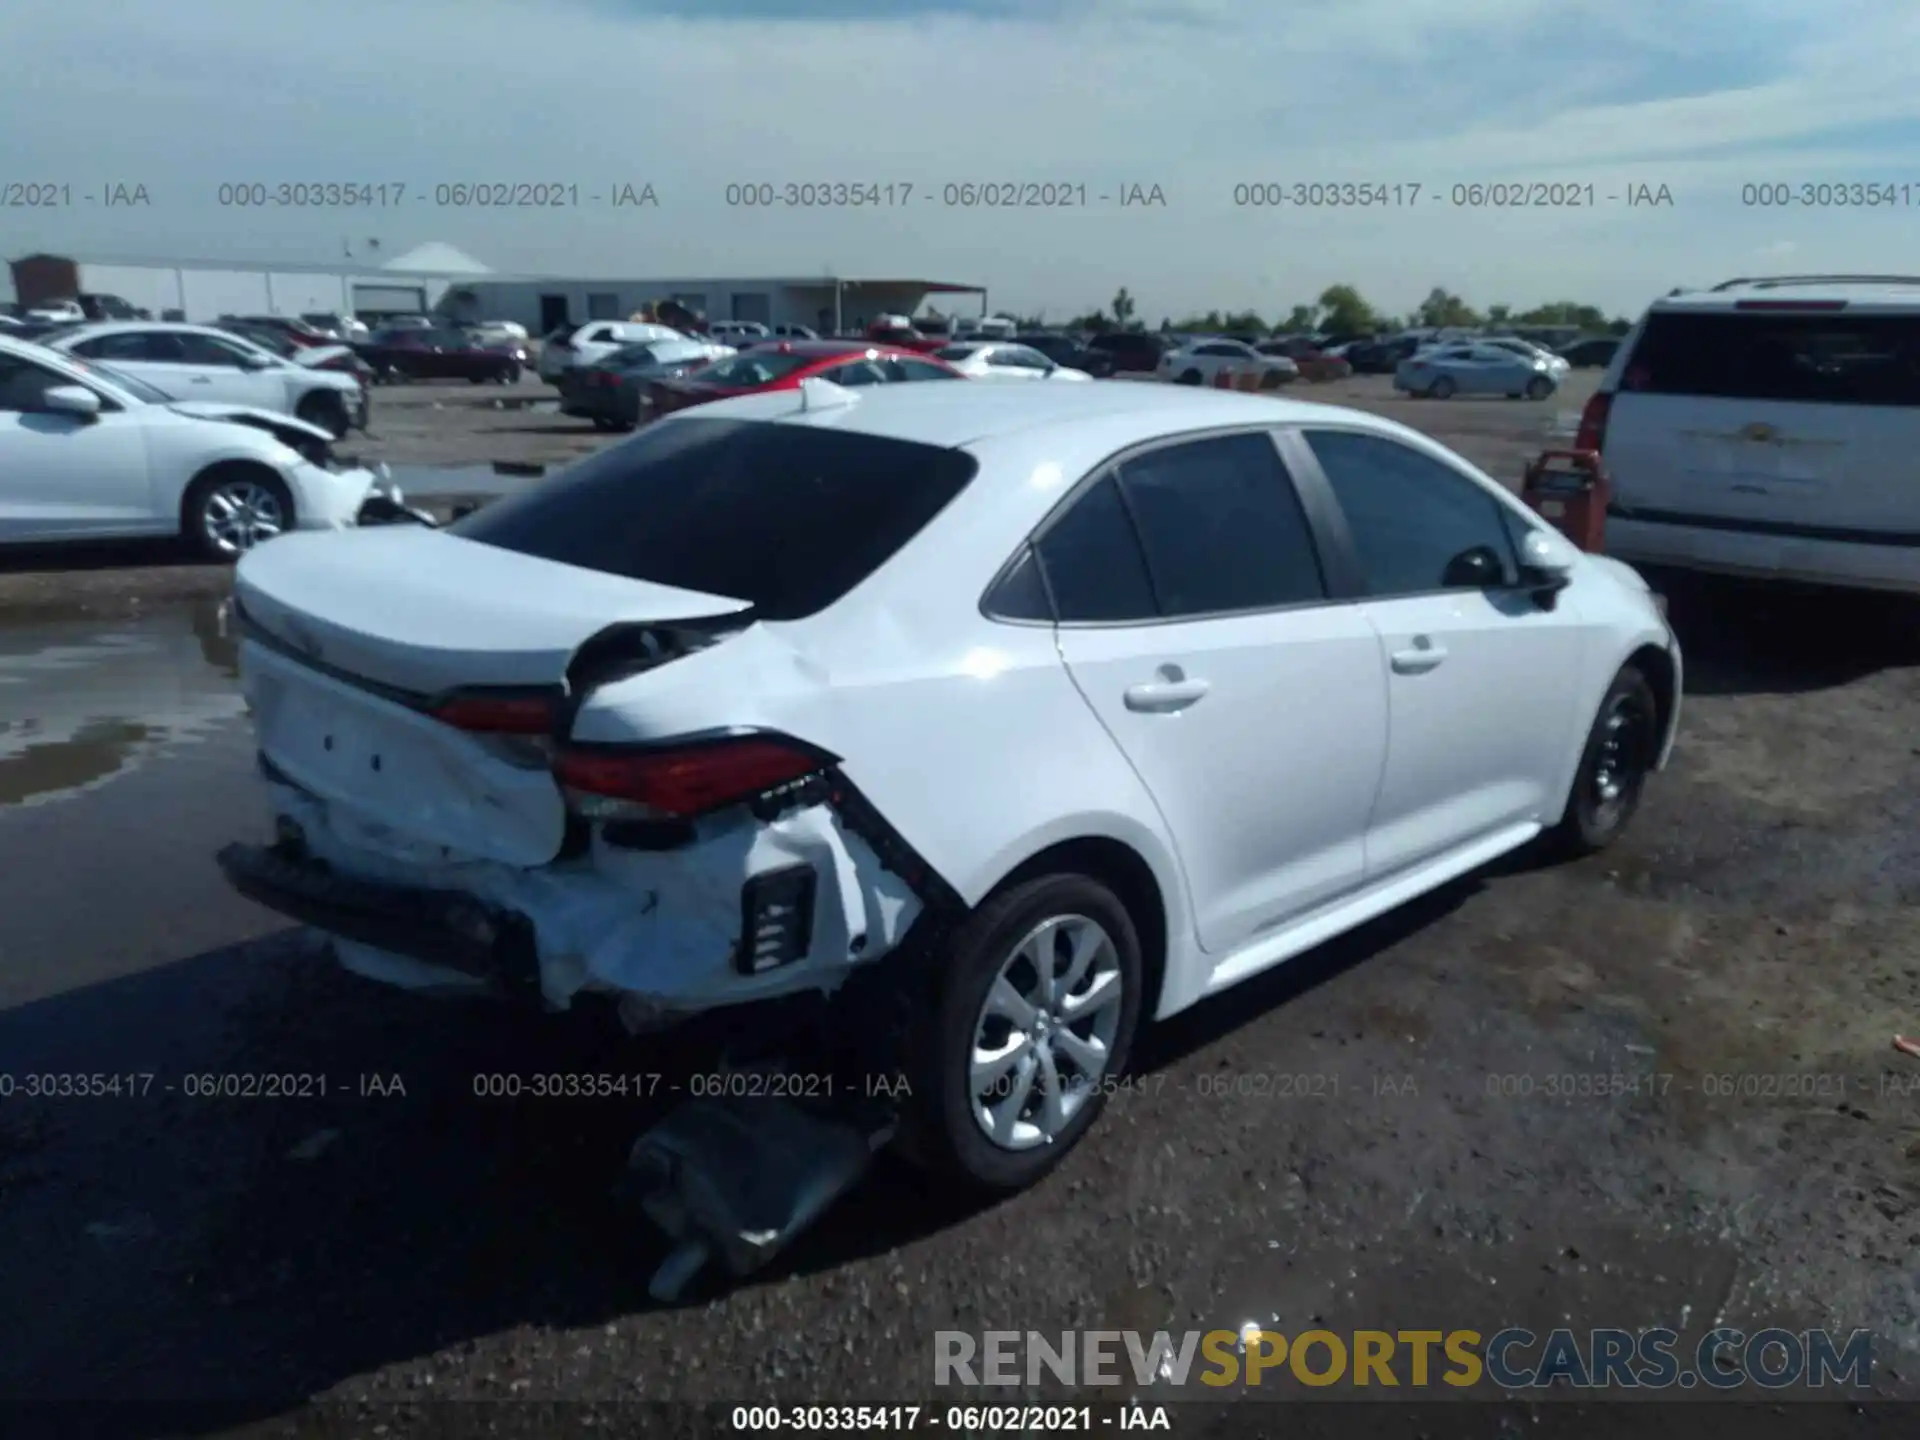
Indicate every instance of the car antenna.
{"type": "Point", "coordinates": [817, 393]}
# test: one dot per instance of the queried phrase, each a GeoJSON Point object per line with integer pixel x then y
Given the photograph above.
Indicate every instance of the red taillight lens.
{"type": "Point", "coordinates": [679, 783]}
{"type": "Point", "coordinates": [498, 714]}
{"type": "Point", "coordinates": [1592, 434]}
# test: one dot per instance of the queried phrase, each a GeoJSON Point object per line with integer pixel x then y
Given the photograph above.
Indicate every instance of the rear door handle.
{"type": "Point", "coordinates": [1164, 696]}
{"type": "Point", "coordinates": [1420, 659]}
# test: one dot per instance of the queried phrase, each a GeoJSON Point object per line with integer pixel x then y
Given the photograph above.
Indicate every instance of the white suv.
{"type": "Point", "coordinates": [1768, 427]}
{"type": "Point", "coordinates": [582, 345]}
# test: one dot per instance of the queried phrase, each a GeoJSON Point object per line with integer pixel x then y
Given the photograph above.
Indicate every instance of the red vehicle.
{"type": "Point", "coordinates": [784, 365]}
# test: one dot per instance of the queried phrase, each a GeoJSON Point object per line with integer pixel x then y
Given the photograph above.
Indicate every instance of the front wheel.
{"type": "Point", "coordinates": [1191, 377]}
{"type": "Point", "coordinates": [1620, 753]}
{"type": "Point", "coordinates": [231, 509]}
{"type": "Point", "coordinates": [510, 375]}
{"type": "Point", "coordinates": [1539, 388]}
{"type": "Point", "coordinates": [1023, 1031]}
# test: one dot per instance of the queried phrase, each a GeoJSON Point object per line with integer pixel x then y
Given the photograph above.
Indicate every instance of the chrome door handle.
{"type": "Point", "coordinates": [1420, 659]}
{"type": "Point", "coordinates": [1164, 696]}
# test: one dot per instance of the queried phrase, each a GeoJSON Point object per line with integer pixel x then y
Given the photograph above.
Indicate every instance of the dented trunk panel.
{"type": "Point", "coordinates": [399, 780]}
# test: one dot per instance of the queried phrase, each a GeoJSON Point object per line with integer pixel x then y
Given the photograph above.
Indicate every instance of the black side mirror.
{"type": "Point", "coordinates": [1479, 568]}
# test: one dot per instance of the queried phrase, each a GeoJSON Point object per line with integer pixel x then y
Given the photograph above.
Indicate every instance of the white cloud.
{"type": "Point", "coordinates": [1192, 95]}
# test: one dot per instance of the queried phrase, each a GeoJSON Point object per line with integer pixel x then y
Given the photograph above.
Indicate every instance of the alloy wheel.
{"type": "Point", "coordinates": [1045, 1032]}
{"type": "Point", "coordinates": [239, 514]}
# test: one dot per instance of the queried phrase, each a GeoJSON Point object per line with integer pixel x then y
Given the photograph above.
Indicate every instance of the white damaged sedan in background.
{"type": "Point", "coordinates": [1022, 714]}
{"type": "Point", "coordinates": [88, 452]}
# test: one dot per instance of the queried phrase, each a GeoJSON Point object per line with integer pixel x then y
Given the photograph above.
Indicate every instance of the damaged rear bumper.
{"type": "Point", "coordinates": [444, 929]}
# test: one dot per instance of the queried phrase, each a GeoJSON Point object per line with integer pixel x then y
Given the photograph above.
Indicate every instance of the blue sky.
{"type": "Point", "coordinates": [1192, 96]}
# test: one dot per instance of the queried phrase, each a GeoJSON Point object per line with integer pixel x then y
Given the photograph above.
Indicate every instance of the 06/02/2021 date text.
{"type": "Point", "coordinates": [949, 195]}
{"type": "Point", "coordinates": [1467, 195]}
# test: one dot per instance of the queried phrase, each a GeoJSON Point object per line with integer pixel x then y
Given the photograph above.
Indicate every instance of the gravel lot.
{"type": "Point", "coordinates": [1746, 955]}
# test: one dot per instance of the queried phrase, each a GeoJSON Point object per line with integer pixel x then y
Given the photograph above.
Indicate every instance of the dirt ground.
{"type": "Point", "coordinates": [1655, 1087]}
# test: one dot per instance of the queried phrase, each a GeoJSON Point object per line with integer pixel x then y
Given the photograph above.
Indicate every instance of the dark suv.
{"type": "Point", "coordinates": [1132, 350]}
{"type": "Point", "coordinates": [1066, 351]}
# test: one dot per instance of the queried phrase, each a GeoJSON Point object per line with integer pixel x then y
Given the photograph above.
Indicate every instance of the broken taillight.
{"type": "Point", "coordinates": [679, 782]}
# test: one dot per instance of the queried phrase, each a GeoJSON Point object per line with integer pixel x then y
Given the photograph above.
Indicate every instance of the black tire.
{"type": "Point", "coordinates": [1614, 764]}
{"type": "Point", "coordinates": [1443, 388]}
{"type": "Point", "coordinates": [942, 1131]}
{"type": "Point", "coordinates": [1192, 377]}
{"type": "Point", "coordinates": [603, 422]}
{"type": "Point", "coordinates": [327, 410]}
{"type": "Point", "coordinates": [194, 507]}
{"type": "Point", "coordinates": [510, 375]}
{"type": "Point", "coordinates": [1539, 388]}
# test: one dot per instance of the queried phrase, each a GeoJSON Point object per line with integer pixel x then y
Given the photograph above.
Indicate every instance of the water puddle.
{"type": "Point", "coordinates": [82, 702]}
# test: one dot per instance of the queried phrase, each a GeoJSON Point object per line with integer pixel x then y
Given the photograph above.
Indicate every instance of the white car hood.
{"type": "Point", "coordinates": [284, 428]}
{"type": "Point", "coordinates": [319, 354]}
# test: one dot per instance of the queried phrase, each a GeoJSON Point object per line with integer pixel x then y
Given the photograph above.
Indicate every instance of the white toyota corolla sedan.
{"type": "Point", "coordinates": [89, 452]}
{"type": "Point", "coordinates": [1043, 710]}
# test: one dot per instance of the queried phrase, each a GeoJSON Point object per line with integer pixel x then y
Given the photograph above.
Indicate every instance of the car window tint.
{"type": "Point", "coordinates": [1092, 560]}
{"type": "Point", "coordinates": [861, 372]}
{"type": "Point", "coordinates": [919, 370]}
{"type": "Point", "coordinates": [1021, 593]}
{"type": "Point", "coordinates": [788, 518]}
{"type": "Point", "coordinates": [1222, 527]}
{"type": "Point", "coordinates": [1836, 359]}
{"type": "Point", "coordinates": [1410, 516]}
{"type": "Point", "coordinates": [200, 350]}
{"type": "Point", "coordinates": [23, 385]}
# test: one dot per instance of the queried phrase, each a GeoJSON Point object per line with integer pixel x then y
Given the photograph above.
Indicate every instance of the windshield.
{"type": "Point", "coordinates": [138, 389]}
{"type": "Point", "coordinates": [754, 368]}
{"type": "Point", "coordinates": [957, 352]}
{"type": "Point", "coordinates": [785, 517]}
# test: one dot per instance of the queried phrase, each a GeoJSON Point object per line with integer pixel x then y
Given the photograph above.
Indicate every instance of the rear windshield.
{"type": "Point", "coordinates": [1830, 359]}
{"type": "Point", "coordinates": [755, 367]}
{"type": "Point", "coordinates": [786, 517]}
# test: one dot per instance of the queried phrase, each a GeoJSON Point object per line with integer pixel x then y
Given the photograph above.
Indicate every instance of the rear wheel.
{"type": "Point", "coordinates": [1191, 377]}
{"type": "Point", "coordinates": [327, 410]}
{"type": "Point", "coordinates": [1022, 1030]}
{"type": "Point", "coordinates": [1620, 753]}
{"type": "Point", "coordinates": [1443, 388]}
{"type": "Point", "coordinates": [232, 508]}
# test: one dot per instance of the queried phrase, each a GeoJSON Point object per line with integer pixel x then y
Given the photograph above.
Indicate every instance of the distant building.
{"type": "Point", "coordinates": [413, 283]}
{"type": "Point", "coordinates": [823, 303]}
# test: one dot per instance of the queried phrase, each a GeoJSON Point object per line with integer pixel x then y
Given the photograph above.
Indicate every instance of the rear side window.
{"type": "Point", "coordinates": [1094, 568]}
{"type": "Point", "coordinates": [1222, 527]}
{"type": "Point", "coordinates": [1825, 359]}
{"type": "Point", "coordinates": [788, 518]}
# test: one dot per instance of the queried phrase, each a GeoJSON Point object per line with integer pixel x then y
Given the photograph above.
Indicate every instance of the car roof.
{"type": "Point", "coordinates": [951, 416]}
{"type": "Point", "coordinates": [127, 327]}
{"type": "Point", "coordinates": [1766, 293]}
{"type": "Point", "coordinates": [823, 348]}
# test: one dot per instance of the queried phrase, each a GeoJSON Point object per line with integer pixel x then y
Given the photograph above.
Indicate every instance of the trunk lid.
{"type": "Point", "coordinates": [424, 611]}
{"type": "Point", "coordinates": [348, 635]}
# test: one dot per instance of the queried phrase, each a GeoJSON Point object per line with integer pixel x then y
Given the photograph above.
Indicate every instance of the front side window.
{"type": "Point", "coordinates": [1418, 526]}
{"type": "Point", "coordinates": [24, 385]}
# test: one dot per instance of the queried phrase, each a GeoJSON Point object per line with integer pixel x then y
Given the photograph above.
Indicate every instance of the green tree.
{"type": "Point", "coordinates": [1301, 320]}
{"type": "Point", "coordinates": [1442, 308]}
{"type": "Point", "coordinates": [1499, 314]}
{"type": "Point", "coordinates": [1344, 312]}
{"type": "Point", "coordinates": [1096, 321]}
{"type": "Point", "coordinates": [1122, 308]}
{"type": "Point", "coordinates": [1566, 312]}
{"type": "Point", "coordinates": [1244, 321]}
